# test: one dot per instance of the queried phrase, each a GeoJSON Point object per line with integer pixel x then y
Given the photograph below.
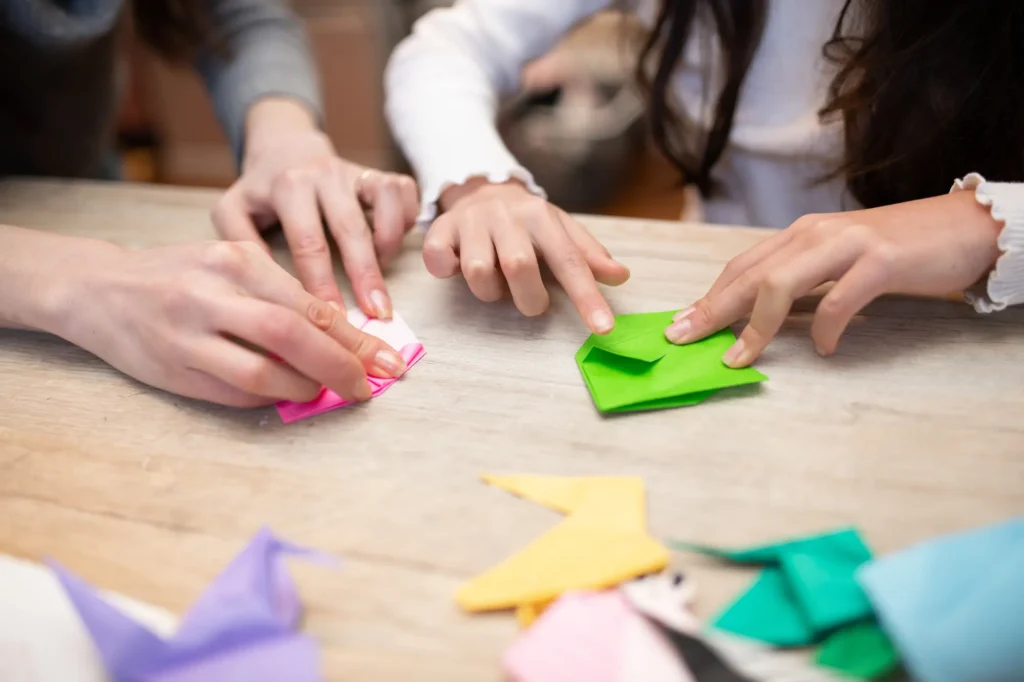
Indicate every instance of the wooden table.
{"type": "Point", "coordinates": [912, 430]}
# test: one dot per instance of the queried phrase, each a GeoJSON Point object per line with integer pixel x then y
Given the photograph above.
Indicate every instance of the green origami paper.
{"type": "Point", "coordinates": [636, 368]}
{"type": "Point", "coordinates": [766, 612]}
{"type": "Point", "coordinates": [862, 650]}
{"type": "Point", "coordinates": [807, 589]}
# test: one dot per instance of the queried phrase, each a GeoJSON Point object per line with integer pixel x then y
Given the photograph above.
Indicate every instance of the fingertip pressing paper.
{"type": "Point", "coordinates": [636, 368]}
{"type": "Point", "coordinates": [395, 332]}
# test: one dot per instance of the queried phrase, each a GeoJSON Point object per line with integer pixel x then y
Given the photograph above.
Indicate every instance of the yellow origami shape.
{"type": "Point", "coordinates": [602, 542]}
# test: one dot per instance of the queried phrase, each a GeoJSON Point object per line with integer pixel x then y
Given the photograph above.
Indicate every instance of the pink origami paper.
{"type": "Point", "coordinates": [593, 637]}
{"type": "Point", "coordinates": [395, 333]}
{"type": "Point", "coordinates": [244, 627]}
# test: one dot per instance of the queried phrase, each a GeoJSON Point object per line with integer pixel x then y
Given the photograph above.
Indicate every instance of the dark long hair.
{"type": "Point", "coordinates": [928, 90]}
{"type": "Point", "coordinates": [175, 29]}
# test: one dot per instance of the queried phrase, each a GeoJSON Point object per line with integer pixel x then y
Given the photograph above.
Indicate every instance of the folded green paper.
{"type": "Point", "coordinates": [808, 594]}
{"type": "Point", "coordinates": [636, 368]}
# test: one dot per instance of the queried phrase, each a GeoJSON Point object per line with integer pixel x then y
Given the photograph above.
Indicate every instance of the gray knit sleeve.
{"type": "Point", "coordinates": [267, 54]}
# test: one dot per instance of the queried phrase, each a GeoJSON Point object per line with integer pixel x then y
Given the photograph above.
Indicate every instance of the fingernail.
{"type": "Point", "coordinates": [389, 362]}
{"type": "Point", "coordinates": [683, 314]}
{"type": "Point", "coordinates": [735, 355]}
{"type": "Point", "coordinates": [334, 304]}
{"type": "Point", "coordinates": [602, 322]}
{"type": "Point", "coordinates": [680, 332]}
{"type": "Point", "coordinates": [363, 391]}
{"type": "Point", "coordinates": [381, 304]}
{"type": "Point", "coordinates": [820, 350]}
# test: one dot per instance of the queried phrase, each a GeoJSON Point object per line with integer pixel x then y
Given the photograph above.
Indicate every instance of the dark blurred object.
{"type": "Point", "coordinates": [581, 141]}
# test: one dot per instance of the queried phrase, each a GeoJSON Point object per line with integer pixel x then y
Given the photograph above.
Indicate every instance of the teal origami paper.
{"type": "Point", "coordinates": [810, 583]}
{"type": "Point", "coordinates": [636, 368]}
{"type": "Point", "coordinates": [807, 594]}
{"type": "Point", "coordinates": [954, 606]}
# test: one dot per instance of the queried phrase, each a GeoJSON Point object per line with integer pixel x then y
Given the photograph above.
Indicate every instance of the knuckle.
{"type": "Point", "coordinates": [860, 233]}
{"type": "Point", "coordinates": [884, 256]}
{"type": "Point", "coordinates": [352, 224]}
{"type": "Point", "coordinates": [572, 259]}
{"type": "Point", "coordinates": [819, 231]}
{"type": "Point", "coordinates": [229, 259]}
{"type": "Point", "coordinates": [290, 179]}
{"type": "Point", "coordinates": [323, 316]}
{"type": "Point", "coordinates": [478, 268]}
{"type": "Point", "coordinates": [180, 298]}
{"type": "Point", "coordinates": [406, 184]}
{"type": "Point", "coordinates": [754, 337]}
{"type": "Point", "coordinates": [703, 314]}
{"type": "Point", "coordinates": [748, 281]}
{"type": "Point", "coordinates": [775, 283]}
{"type": "Point", "coordinates": [808, 221]}
{"type": "Point", "coordinates": [310, 245]}
{"type": "Point", "coordinates": [832, 306]}
{"type": "Point", "coordinates": [257, 377]}
{"type": "Point", "coordinates": [734, 268]}
{"type": "Point", "coordinates": [518, 263]}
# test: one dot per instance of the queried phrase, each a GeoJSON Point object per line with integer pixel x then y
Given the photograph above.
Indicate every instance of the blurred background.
{"type": "Point", "coordinates": [577, 124]}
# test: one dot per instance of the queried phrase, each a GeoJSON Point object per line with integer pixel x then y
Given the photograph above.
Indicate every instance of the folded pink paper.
{"type": "Point", "coordinates": [395, 333]}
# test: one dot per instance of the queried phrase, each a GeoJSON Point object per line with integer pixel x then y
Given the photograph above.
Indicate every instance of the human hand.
{"type": "Point", "coordinates": [929, 247]}
{"type": "Point", "coordinates": [292, 174]}
{"type": "Point", "coordinates": [202, 320]}
{"type": "Point", "coordinates": [493, 234]}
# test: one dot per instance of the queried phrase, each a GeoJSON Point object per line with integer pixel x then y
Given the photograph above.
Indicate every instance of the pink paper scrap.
{"type": "Point", "coordinates": [396, 333]}
{"type": "Point", "coordinates": [593, 637]}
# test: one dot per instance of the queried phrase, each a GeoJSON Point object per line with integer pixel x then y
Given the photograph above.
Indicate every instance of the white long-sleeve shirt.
{"type": "Point", "coordinates": [444, 81]}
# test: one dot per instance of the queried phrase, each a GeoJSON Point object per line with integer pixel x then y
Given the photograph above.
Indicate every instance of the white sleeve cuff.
{"type": "Point", "coordinates": [1005, 284]}
{"type": "Point", "coordinates": [432, 193]}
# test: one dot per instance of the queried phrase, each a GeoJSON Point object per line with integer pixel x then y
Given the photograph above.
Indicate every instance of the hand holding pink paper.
{"type": "Point", "coordinates": [396, 333]}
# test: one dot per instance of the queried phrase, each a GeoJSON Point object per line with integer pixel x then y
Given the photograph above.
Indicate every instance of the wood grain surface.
{"type": "Point", "coordinates": [912, 430]}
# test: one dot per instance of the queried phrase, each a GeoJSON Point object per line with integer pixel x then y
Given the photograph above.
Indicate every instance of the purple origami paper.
{"type": "Point", "coordinates": [244, 627]}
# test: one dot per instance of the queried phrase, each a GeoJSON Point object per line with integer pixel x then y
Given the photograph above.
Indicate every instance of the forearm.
{"type": "Point", "coordinates": [36, 276]}
{"type": "Point", "coordinates": [267, 56]}
{"type": "Point", "coordinates": [444, 81]}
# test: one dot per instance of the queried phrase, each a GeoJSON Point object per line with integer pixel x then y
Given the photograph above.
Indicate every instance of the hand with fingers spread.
{"type": "Point", "coordinates": [292, 175]}
{"type": "Point", "coordinates": [217, 321]}
{"type": "Point", "coordinates": [495, 234]}
{"type": "Point", "coordinates": [930, 247]}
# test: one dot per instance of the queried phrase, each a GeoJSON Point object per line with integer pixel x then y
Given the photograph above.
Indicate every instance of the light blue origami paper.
{"type": "Point", "coordinates": [954, 606]}
{"type": "Point", "coordinates": [244, 627]}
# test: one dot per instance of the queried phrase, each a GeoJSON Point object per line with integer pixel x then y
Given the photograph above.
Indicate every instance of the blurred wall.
{"type": "Point", "coordinates": [351, 40]}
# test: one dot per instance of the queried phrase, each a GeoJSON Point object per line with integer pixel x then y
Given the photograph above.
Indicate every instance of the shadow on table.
{"type": "Point", "coordinates": [501, 318]}
{"type": "Point", "coordinates": [35, 349]}
{"type": "Point", "coordinates": [902, 326]}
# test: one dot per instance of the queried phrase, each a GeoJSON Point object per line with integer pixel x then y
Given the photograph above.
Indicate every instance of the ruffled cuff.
{"type": "Point", "coordinates": [1005, 284]}
{"type": "Point", "coordinates": [432, 194]}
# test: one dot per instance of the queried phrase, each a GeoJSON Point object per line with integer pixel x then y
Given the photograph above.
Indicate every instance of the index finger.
{"type": "Point", "coordinates": [295, 201]}
{"type": "Point", "coordinates": [294, 340]}
{"type": "Point", "coordinates": [569, 266]}
{"type": "Point", "coordinates": [270, 282]}
{"type": "Point", "coordinates": [348, 225]}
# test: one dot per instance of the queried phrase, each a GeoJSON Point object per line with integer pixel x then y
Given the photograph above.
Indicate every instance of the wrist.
{"type": "Point", "coordinates": [42, 277]}
{"type": "Point", "coordinates": [69, 307]}
{"type": "Point", "coordinates": [273, 117]}
{"type": "Point", "coordinates": [456, 193]}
